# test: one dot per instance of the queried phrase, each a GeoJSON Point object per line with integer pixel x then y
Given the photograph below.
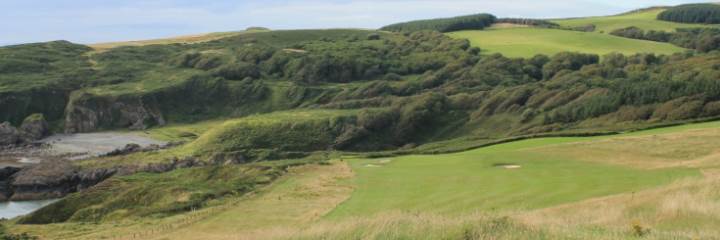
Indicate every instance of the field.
{"type": "Point", "coordinates": [527, 42]}
{"type": "Point", "coordinates": [645, 20]}
{"type": "Point", "coordinates": [510, 191]}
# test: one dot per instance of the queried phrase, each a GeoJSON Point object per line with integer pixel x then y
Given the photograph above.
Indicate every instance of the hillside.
{"type": "Point", "coordinates": [454, 200]}
{"type": "Point", "coordinates": [431, 129]}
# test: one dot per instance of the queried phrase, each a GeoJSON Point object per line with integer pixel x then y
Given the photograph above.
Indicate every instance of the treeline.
{"type": "Point", "coordinates": [529, 22]}
{"type": "Point", "coordinates": [700, 39]}
{"type": "Point", "coordinates": [705, 13]}
{"type": "Point", "coordinates": [469, 22]}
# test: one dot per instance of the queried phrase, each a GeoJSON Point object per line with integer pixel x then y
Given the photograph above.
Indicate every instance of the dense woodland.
{"type": "Point", "coordinates": [470, 22]}
{"type": "Point", "coordinates": [707, 13]}
{"type": "Point", "coordinates": [700, 39]}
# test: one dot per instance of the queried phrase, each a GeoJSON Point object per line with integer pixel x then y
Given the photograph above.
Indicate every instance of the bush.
{"type": "Point", "coordinates": [238, 71]}
{"type": "Point", "coordinates": [568, 61]}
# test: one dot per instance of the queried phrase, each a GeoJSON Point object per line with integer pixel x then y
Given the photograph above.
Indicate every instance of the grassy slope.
{"type": "Point", "coordinates": [527, 42]}
{"type": "Point", "coordinates": [645, 20]}
{"type": "Point", "coordinates": [453, 195]}
{"type": "Point", "coordinates": [231, 135]}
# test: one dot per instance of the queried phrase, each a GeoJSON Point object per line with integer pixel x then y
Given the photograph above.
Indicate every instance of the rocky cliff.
{"type": "Point", "coordinates": [56, 179]}
{"type": "Point", "coordinates": [87, 113]}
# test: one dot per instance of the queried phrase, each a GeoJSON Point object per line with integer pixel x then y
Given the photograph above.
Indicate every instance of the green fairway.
{"type": "Point", "coordinates": [645, 20]}
{"type": "Point", "coordinates": [527, 42]}
{"type": "Point", "coordinates": [472, 181]}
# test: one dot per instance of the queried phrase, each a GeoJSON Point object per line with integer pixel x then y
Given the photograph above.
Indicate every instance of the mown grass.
{"type": "Point", "coordinates": [528, 42]}
{"type": "Point", "coordinates": [646, 20]}
{"type": "Point", "coordinates": [475, 180]}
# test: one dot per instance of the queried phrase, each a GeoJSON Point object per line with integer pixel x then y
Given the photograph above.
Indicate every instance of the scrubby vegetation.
{"type": "Point", "coordinates": [159, 194]}
{"type": "Point", "coordinates": [706, 13]}
{"type": "Point", "coordinates": [9, 236]}
{"type": "Point", "coordinates": [416, 82]}
{"type": "Point", "coordinates": [476, 22]}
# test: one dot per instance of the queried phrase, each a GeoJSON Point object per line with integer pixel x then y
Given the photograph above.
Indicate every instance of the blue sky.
{"type": "Point", "coordinates": [92, 21]}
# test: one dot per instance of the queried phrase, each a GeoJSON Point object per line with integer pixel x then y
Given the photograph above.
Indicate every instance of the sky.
{"type": "Point", "coordinates": [95, 21]}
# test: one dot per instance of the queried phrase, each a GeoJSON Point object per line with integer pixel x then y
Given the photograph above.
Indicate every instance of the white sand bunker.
{"type": "Point", "coordinates": [379, 162]}
{"type": "Point", "coordinates": [507, 165]}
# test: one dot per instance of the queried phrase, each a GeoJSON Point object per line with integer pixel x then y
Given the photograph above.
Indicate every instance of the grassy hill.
{"type": "Point", "coordinates": [646, 20]}
{"type": "Point", "coordinates": [363, 134]}
{"type": "Point", "coordinates": [527, 42]}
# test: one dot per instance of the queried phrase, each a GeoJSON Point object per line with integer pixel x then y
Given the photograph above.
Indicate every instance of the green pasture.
{"type": "Point", "coordinates": [646, 20]}
{"type": "Point", "coordinates": [528, 42]}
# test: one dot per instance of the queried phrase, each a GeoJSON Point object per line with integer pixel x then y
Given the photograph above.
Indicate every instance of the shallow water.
{"type": "Point", "coordinates": [13, 209]}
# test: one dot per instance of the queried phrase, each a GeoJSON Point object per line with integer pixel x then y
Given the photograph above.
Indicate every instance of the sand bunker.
{"type": "Point", "coordinates": [507, 165]}
{"type": "Point", "coordinates": [379, 162]}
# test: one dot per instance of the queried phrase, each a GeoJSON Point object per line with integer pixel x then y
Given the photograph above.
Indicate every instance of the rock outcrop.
{"type": "Point", "coordinates": [56, 179]}
{"type": "Point", "coordinates": [52, 180]}
{"type": "Point", "coordinates": [34, 127]}
{"type": "Point", "coordinates": [5, 180]}
{"type": "Point", "coordinates": [43, 181]}
{"type": "Point", "coordinates": [87, 113]}
{"type": "Point", "coordinates": [9, 135]}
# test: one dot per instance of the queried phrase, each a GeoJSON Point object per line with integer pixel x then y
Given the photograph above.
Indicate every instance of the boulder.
{"type": "Point", "coordinates": [9, 135]}
{"type": "Point", "coordinates": [34, 127]}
